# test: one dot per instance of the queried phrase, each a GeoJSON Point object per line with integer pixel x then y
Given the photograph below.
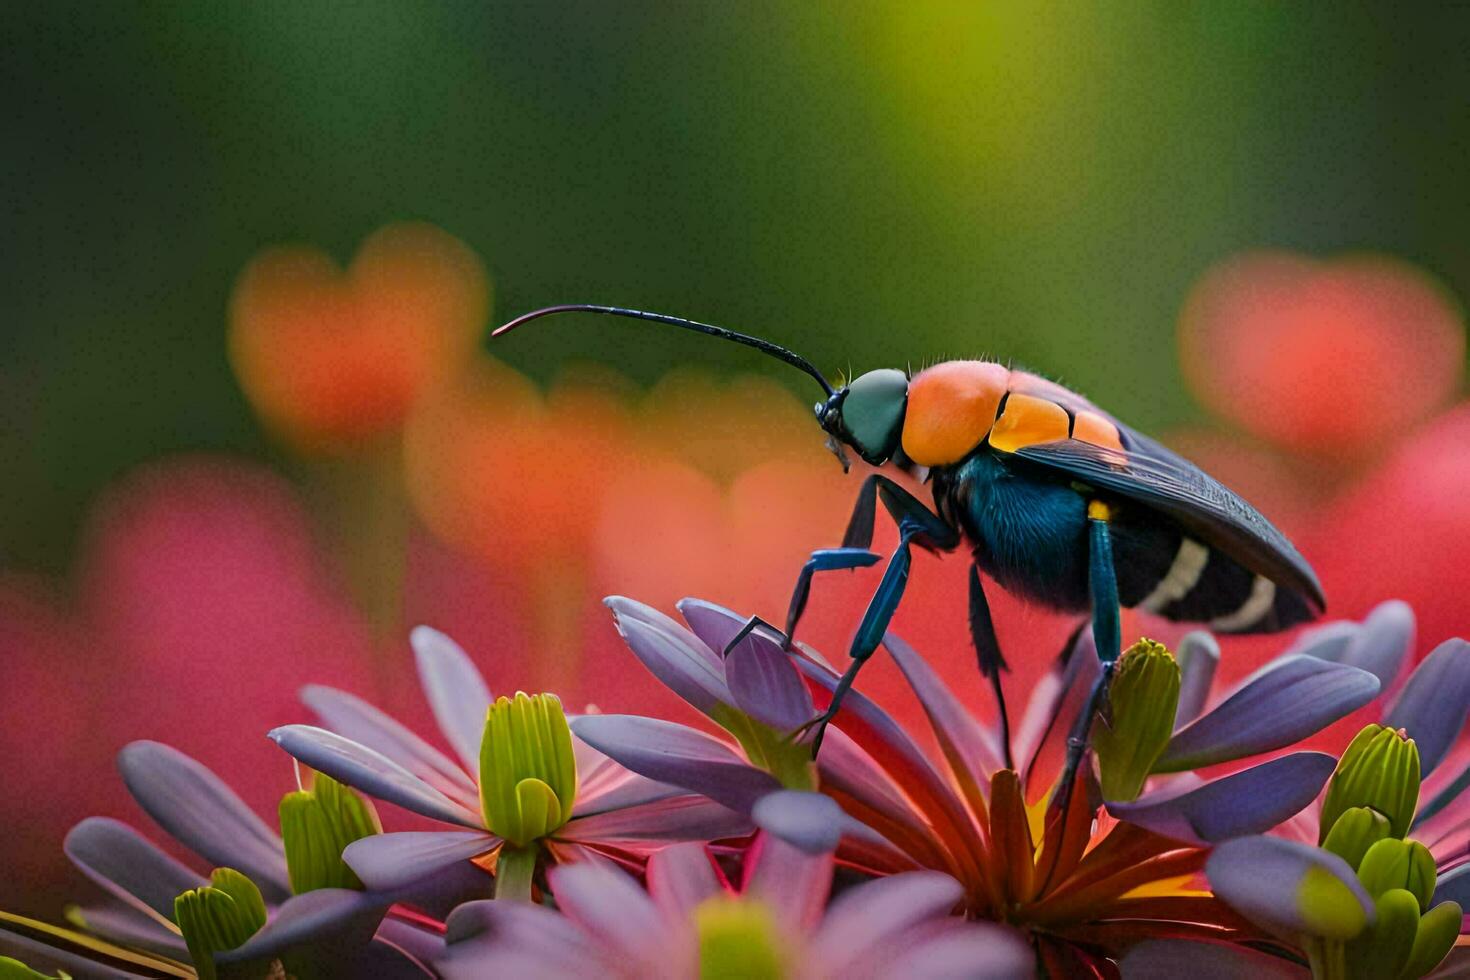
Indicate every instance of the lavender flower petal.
{"type": "Point", "coordinates": [876, 914]}
{"type": "Point", "coordinates": [355, 719]}
{"type": "Point", "coordinates": [1329, 641]}
{"type": "Point", "coordinates": [955, 948]}
{"type": "Point", "coordinates": [116, 857]}
{"type": "Point", "coordinates": [615, 788]}
{"type": "Point", "coordinates": [514, 939]}
{"type": "Point", "coordinates": [127, 926]}
{"type": "Point", "coordinates": [419, 946]}
{"type": "Point", "coordinates": [196, 808]}
{"type": "Point", "coordinates": [386, 862]}
{"type": "Point", "coordinates": [1247, 802]}
{"type": "Point", "coordinates": [680, 877]}
{"type": "Point", "coordinates": [715, 625]}
{"type": "Point", "coordinates": [1280, 704]}
{"type": "Point", "coordinates": [1432, 705]}
{"type": "Point", "coordinates": [1454, 886]}
{"type": "Point", "coordinates": [810, 822]}
{"type": "Point", "coordinates": [673, 654]}
{"type": "Point", "coordinates": [349, 917]}
{"type": "Point", "coordinates": [793, 882]}
{"type": "Point", "coordinates": [1168, 959]}
{"type": "Point", "coordinates": [456, 692]}
{"type": "Point", "coordinates": [970, 749]}
{"type": "Point", "coordinates": [362, 768]}
{"type": "Point", "coordinates": [1198, 656]}
{"type": "Point", "coordinates": [1383, 642]}
{"type": "Point", "coordinates": [676, 818]}
{"type": "Point", "coordinates": [671, 753]}
{"type": "Point", "coordinates": [1261, 878]}
{"type": "Point", "coordinates": [609, 905]}
{"type": "Point", "coordinates": [40, 956]}
{"type": "Point", "coordinates": [766, 685]}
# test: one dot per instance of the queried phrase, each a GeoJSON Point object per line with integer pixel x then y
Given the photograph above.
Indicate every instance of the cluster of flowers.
{"type": "Point", "coordinates": [619, 845]}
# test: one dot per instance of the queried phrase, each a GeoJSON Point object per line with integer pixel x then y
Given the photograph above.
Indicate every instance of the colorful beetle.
{"type": "Point", "coordinates": [1058, 501]}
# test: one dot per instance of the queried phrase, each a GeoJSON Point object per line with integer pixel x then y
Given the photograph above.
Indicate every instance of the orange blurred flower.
{"type": "Point", "coordinates": [330, 359]}
{"type": "Point", "coordinates": [1328, 359]}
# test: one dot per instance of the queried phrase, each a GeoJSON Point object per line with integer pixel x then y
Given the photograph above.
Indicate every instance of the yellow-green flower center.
{"type": "Point", "coordinates": [528, 774]}
{"type": "Point", "coordinates": [738, 940]}
{"type": "Point", "coordinates": [317, 825]}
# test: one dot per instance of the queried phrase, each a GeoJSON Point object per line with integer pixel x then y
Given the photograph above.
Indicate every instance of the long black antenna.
{"type": "Point", "coordinates": [765, 346]}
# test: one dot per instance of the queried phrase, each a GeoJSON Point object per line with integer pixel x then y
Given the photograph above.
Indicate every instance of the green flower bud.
{"type": "Point", "coordinates": [218, 917]}
{"type": "Point", "coordinates": [1139, 721]}
{"type": "Point", "coordinates": [1380, 769]}
{"type": "Point", "coordinates": [1393, 863]}
{"type": "Point", "coordinates": [317, 825]}
{"type": "Point", "coordinates": [1383, 948]}
{"type": "Point", "coordinates": [528, 774]}
{"type": "Point", "coordinates": [1438, 930]}
{"type": "Point", "coordinates": [1358, 829]}
{"type": "Point", "coordinates": [738, 940]}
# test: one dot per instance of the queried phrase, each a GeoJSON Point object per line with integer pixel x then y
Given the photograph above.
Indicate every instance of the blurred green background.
{"type": "Point", "coordinates": [871, 183]}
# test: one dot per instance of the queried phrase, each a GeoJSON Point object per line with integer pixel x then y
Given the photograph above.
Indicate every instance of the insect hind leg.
{"type": "Point", "coordinates": [1107, 636]}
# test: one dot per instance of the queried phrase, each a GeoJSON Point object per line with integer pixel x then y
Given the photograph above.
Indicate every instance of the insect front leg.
{"type": "Point", "coordinates": [916, 523]}
{"type": "Point", "coordinates": [854, 552]}
{"type": "Point", "coordinates": [1107, 635]}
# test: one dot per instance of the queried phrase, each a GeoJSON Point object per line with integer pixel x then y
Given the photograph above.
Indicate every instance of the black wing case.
{"type": "Point", "coordinates": [1163, 480]}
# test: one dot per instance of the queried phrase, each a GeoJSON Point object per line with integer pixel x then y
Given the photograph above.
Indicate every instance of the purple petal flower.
{"type": "Point", "coordinates": [40, 956]}
{"type": "Point", "coordinates": [610, 906]}
{"type": "Point", "coordinates": [679, 659]}
{"type": "Point", "coordinates": [1169, 959]}
{"type": "Point", "coordinates": [123, 923]}
{"type": "Point", "coordinates": [1198, 656]}
{"type": "Point", "coordinates": [1247, 802]}
{"type": "Point", "coordinates": [132, 869]}
{"type": "Point", "coordinates": [196, 808]}
{"type": "Point", "coordinates": [456, 692]}
{"type": "Point", "coordinates": [680, 877]}
{"type": "Point", "coordinates": [514, 939]}
{"type": "Point", "coordinates": [362, 768]}
{"type": "Point", "coordinates": [349, 917]}
{"type": "Point", "coordinates": [1282, 703]}
{"type": "Point", "coordinates": [1454, 886]}
{"type": "Point", "coordinates": [877, 914]}
{"type": "Point", "coordinates": [969, 748]}
{"type": "Point", "coordinates": [1432, 705]}
{"type": "Point", "coordinates": [670, 818]}
{"type": "Point", "coordinates": [810, 822]}
{"type": "Point", "coordinates": [1382, 643]}
{"type": "Point", "coordinates": [765, 684]}
{"type": "Point", "coordinates": [353, 718]}
{"type": "Point", "coordinates": [793, 882]}
{"type": "Point", "coordinates": [1264, 879]}
{"type": "Point", "coordinates": [671, 753]}
{"type": "Point", "coordinates": [950, 948]}
{"type": "Point", "coordinates": [715, 625]}
{"type": "Point", "coordinates": [387, 862]}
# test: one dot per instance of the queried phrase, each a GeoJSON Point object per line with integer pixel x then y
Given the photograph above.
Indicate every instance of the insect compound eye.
{"type": "Point", "coordinates": [872, 412]}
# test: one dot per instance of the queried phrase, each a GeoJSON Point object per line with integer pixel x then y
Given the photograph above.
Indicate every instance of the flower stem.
{"type": "Point", "coordinates": [514, 870]}
{"type": "Point", "coordinates": [1327, 958]}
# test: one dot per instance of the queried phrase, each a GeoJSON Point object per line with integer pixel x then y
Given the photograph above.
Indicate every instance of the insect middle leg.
{"type": "Point", "coordinates": [1107, 635]}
